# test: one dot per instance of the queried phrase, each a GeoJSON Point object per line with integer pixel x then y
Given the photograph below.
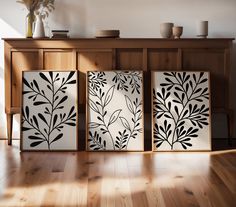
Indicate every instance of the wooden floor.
{"type": "Point", "coordinates": [117, 179]}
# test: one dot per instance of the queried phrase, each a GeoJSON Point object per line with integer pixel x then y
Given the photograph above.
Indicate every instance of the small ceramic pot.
{"type": "Point", "coordinates": [166, 29]}
{"type": "Point", "coordinates": [177, 31]}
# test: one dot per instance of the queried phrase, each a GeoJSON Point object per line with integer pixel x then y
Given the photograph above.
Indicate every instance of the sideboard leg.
{"type": "Point", "coordinates": [9, 128]}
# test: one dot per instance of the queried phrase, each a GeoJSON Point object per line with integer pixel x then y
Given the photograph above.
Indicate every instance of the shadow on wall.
{"type": "Point", "coordinates": [74, 19]}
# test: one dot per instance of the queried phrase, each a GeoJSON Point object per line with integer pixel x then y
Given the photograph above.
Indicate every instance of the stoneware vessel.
{"type": "Point", "coordinates": [177, 31]}
{"type": "Point", "coordinates": [202, 29]}
{"type": "Point", "coordinates": [166, 29]}
{"type": "Point", "coordinates": [39, 28]}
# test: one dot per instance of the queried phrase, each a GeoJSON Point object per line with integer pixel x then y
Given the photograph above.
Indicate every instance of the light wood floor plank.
{"type": "Point", "coordinates": [109, 179]}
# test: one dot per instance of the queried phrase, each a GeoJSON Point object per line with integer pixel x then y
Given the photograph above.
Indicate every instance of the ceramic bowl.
{"type": "Point", "coordinates": [177, 31]}
{"type": "Point", "coordinates": [166, 29]}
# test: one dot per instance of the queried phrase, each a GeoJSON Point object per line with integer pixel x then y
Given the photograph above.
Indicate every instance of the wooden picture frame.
{"type": "Point", "coordinates": [47, 92]}
{"type": "Point", "coordinates": [111, 89]}
{"type": "Point", "coordinates": [170, 94]}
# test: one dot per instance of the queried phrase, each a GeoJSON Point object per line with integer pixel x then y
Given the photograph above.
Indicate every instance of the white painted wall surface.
{"type": "Point", "coordinates": [135, 18]}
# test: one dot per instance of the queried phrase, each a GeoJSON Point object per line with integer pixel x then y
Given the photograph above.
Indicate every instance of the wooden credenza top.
{"type": "Point", "coordinates": [118, 43]}
{"type": "Point", "coordinates": [134, 38]}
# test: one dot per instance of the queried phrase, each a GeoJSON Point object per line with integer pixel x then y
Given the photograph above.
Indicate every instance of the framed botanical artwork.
{"type": "Point", "coordinates": [181, 111]}
{"type": "Point", "coordinates": [115, 111]}
{"type": "Point", "coordinates": [49, 113]}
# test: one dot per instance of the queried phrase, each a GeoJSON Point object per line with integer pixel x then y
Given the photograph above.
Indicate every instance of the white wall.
{"type": "Point", "coordinates": [135, 18]}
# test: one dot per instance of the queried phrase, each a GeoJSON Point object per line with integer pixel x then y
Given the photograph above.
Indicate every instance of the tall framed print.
{"type": "Point", "coordinates": [181, 111]}
{"type": "Point", "coordinates": [115, 111]}
{"type": "Point", "coordinates": [49, 113]}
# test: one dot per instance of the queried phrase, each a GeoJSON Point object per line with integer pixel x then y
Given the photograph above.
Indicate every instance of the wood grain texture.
{"type": "Point", "coordinates": [117, 179]}
{"type": "Point", "coordinates": [129, 59]}
{"type": "Point", "coordinates": [21, 61]}
{"type": "Point", "coordinates": [213, 61]}
{"type": "Point", "coordinates": [164, 59]}
{"type": "Point", "coordinates": [58, 60]}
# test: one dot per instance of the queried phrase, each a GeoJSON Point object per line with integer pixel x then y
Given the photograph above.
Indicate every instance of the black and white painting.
{"type": "Point", "coordinates": [180, 109]}
{"type": "Point", "coordinates": [115, 111]}
{"type": "Point", "coordinates": [49, 110]}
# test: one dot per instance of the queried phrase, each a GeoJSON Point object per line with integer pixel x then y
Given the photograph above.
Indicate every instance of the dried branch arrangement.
{"type": "Point", "coordinates": [42, 7]}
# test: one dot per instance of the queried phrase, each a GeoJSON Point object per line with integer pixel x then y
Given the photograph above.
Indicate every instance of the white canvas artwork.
{"type": "Point", "coordinates": [115, 111]}
{"type": "Point", "coordinates": [181, 111]}
{"type": "Point", "coordinates": [49, 111]}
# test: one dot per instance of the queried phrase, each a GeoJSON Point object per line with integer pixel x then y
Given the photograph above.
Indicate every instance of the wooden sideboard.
{"type": "Point", "coordinates": [145, 54]}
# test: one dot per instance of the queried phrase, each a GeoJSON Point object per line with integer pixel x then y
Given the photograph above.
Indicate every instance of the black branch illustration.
{"type": "Point", "coordinates": [135, 109]}
{"type": "Point", "coordinates": [96, 142]}
{"type": "Point", "coordinates": [125, 79]}
{"type": "Point", "coordinates": [96, 80]}
{"type": "Point", "coordinates": [99, 107]}
{"type": "Point", "coordinates": [121, 140]}
{"type": "Point", "coordinates": [188, 93]}
{"type": "Point", "coordinates": [99, 101]}
{"type": "Point", "coordinates": [53, 99]}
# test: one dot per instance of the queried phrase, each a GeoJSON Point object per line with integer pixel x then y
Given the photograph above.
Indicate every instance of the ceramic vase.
{"type": "Point", "coordinates": [39, 28]}
{"type": "Point", "coordinates": [177, 31]}
{"type": "Point", "coordinates": [202, 29]}
{"type": "Point", "coordinates": [166, 29]}
{"type": "Point", "coordinates": [29, 24]}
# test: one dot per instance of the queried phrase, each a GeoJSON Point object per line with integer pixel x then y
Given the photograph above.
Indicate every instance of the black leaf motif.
{"type": "Point", "coordinates": [109, 95]}
{"type": "Point", "coordinates": [71, 111]}
{"type": "Point", "coordinates": [114, 116]}
{"type": "Point", "coordinates": [26, 83]}
{"type": "Point", "coordinates": [34, 144]}
{"type": "Point", "coordinates": [71, 82]}
{"type": "Point", "coordinates": [125, 123]}
{"type": "Point", "coordinates": [35, 137]}
{"type": "Point", "coordinates": [36, 121]}
{"type": "Point", "coordinates": [51, 75]}
{"type": "Point", "coordinates": [70, 75]}
{"type": "Point", "coordinates": [44, 77]}
{"type": "Point", "coordinates": [96, 142]}
{"type": "Point", "coordinates": [26, 128]}
{"type": "Point", "coordinates": [42, 118]}
{"type": "Point", "coordinates": [62, 100]}
{"type": "Point", "coordinates": [55, 120]}
{"type": "Point", "coordinates": [59, 136]}
{"type": "Point", "coordinates": [94, 125]}
{"type": "Point", "coordinates": [121, 79]}
{"type": "Point", "coordinates": [121, 140]}
{"type": "Point", "coordinates": [37, 103]}
{"type": "Point", "coordinates": [93, 106]}
{"type": "Point", "coordinates": [129, 104]}
{"type": "Point", "coordinates": [36, 84]}
{"type": "Point", "coordinates": [27, 111]}
{"type": "Point", "coordinates": [71, 123]}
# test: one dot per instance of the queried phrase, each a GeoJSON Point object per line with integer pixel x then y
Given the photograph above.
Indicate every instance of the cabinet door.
{"type": "Point", "coordinates": [213, 61]}
{"type": "Point", "coordinates": [92, 60]}
{"type": "Point", "coordinates": [22, 60]}
{"type": "Point", "coordinates": [129, 59]}
{"type": "Point", "coordinates": [162, 59]}
{"type": "Point", "coordinates": [59, 60]}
